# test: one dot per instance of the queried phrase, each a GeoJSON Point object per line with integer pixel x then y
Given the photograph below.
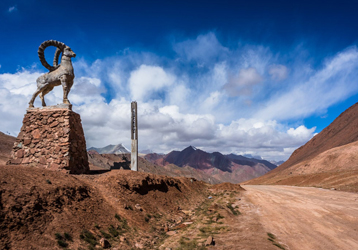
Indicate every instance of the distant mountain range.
{"type": "Point", "coordinates": [190, 162]}
{"type": "Point", "coordinates": [221, 168]}
{"type": "Point", "coordinates": [111, 149]}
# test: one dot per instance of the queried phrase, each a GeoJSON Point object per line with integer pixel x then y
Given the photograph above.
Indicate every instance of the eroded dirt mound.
{"type": "Point", "coordinates": [228, 186]}
{"type": "Point", "coordinates": [6, 144]}
{"type": "Point", "coordinates": [41, 209]}
{"type": "Point", "coordinates": [35, 204]}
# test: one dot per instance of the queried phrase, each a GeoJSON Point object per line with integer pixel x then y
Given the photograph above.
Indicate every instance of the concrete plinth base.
{"type": "Point", "coordinates": [51, 138]}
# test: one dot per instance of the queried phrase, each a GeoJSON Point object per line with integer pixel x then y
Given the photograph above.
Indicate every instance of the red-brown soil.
{"type": "Point", "coordinates": [37, 203]}
{"type": "Point", "coordinates": [328, 160]}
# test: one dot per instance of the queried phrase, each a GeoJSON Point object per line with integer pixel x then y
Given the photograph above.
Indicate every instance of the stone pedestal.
{"type": "Point", "coordinates": [51, 138]}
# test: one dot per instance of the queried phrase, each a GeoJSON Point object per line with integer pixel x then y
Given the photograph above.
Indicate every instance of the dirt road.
{"type": "Point", "coordinates": [307, 218]}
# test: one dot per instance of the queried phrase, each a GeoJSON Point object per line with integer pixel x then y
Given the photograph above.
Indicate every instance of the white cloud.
{"type": "Point", "coordinates": [243, 83]}
{"type": "Point", "coordinates": [336, 81]}
{"type": "Point", "coordinates": [146, 80]}
{"type": "Point", "coordinates": [212, 101]}
{"type": "Point", "coordinates": [203, 49]}
{"type": "Point", "coordinates": [278, 72]}
{"type": "Point", "coordinates": [301, 132]}
{"type": "Point", "coordinates": [12, 9]}
{"type": "Point", "coordinates": [231, 104]}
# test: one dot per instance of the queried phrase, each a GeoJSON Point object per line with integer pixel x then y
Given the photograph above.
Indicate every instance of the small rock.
{"type": "Point", "coordinates": [200, 244]}
{"type": "Point", "coordinates": [104, 243]}
{"type": "Point", "coordinates": [138, 207]}
{"type": "Point", "coordinates": [168, 248]}
{"type": "Point", "coordinates": [139, 245]}
{"type": "Point", "coordinates": [333, 189]}
{"type": "Point", "coordinates": [122, 239]}
{"type": "Point", "coordinates": [209, 241]}
{"type": "Point", "coordinates": [170, 233]}
{"type": "Point", "coordinates": [166, 228]}
{"type": "Point", "coordinates": [210, 197]}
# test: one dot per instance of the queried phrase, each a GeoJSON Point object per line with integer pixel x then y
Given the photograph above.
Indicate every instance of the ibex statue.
{"type": "Point", "coordinates": [60, 74]}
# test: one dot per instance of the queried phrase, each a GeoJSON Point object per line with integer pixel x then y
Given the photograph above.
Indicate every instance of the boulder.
{"type": "Point", "coordinates": [209, 241]}
{"type": "Point", "coordinates": [104, 243]}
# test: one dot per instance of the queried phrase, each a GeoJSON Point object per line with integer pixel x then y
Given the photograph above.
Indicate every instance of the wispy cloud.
{"type": "Point", "coordinates": [335, 81]}
{"type": "Point", "coordinates": [12, 9]}
{"type": "Point", "coordinates": [242, 99]}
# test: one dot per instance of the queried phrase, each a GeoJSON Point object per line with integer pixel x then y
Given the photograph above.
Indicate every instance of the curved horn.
{"type": "Point", "coordinates": [41, 52]}
{"type": "Point", "coordinates": [56, 57]}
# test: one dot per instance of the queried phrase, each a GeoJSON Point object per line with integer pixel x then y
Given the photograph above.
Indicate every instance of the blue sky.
{"type": "Point", "coordinates": [258, 77]}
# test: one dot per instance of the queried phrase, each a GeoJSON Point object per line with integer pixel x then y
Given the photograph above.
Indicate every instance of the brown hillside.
{"type": "Point", "coordinates": [329, 160]}
{"type": "Point", "coordinates": [36, 204]}
{"type": "Point", "coordinates": [343, 130]}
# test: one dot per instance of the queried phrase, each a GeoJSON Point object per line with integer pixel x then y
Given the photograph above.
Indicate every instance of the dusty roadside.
{"type": "Point", "coordinates": [307, 218]}
{"type": "Point", "coordinates": [229, 217]}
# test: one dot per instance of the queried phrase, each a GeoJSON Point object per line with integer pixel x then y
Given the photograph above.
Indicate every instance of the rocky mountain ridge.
{"type": "Point", "coordinates": [214, 166]}
{"type": "Point", "coordinates": [111, 149]}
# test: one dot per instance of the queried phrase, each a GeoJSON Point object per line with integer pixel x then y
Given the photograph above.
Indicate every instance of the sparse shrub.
{"type": "Point", "coordinates": [233, 210]}
{"type": "Point", "coordinates": [125, 225]}
{"type": "Point", "coordinates": [147, 217]}
{"type": "Point", "coordinates": [62, 243]}
{"type": "Point", "coordinates": [113, 231]}
{"type": "Point", "coordinates": [105, 235]}
{"type": "Point", "coordinates": [58, 236]}
{"type": "Point", "coordinates": [271, 235]}
{"type": "Point", "coordinates": [97, 226]}
{"type": "Point", "coordinates": [117, 217]}
{"type": "Point", "coordinates": [219, 216]}
{"type": "Point", "coordinates": [212, 230]}
{"type": "Point", "coordinates": [186, 244]}
{"type": "Point", "coordinates": [279, 246]}
{"type": "Point", "coordinates": [67, 236]}
{"type": "Point", "coordinates": [272, 238]}
{"type": "Point", "coordinates": [157, 216]}
{"type": "Point", "coordinates": [88, 237]}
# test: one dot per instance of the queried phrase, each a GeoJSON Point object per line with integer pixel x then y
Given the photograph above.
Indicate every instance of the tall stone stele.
{"type": "Point", "coordinates": [52, 137]}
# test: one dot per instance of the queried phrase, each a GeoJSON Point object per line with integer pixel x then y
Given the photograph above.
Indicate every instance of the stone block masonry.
{"type": "Point", "coordinates": [52, 139]}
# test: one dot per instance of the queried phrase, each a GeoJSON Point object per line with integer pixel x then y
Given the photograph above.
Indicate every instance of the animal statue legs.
{"type": "Point", "coordinates": [42, 91]}
{"type": "Point", "coordinates": [31, 103]}
{"type": "Point", "coordinates": [66, 82]}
